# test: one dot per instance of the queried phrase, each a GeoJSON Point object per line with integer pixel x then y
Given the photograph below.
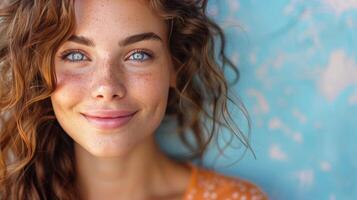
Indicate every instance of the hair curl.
{"type": "Point", "coordinates": [36, 156]}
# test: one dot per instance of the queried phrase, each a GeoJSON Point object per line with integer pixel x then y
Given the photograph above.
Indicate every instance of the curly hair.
{"type": "Point", "coordinates": [36, 156]}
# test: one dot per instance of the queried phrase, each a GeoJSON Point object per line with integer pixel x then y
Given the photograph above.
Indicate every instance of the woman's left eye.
{"type": "Point", "coordinates": [140, 56]}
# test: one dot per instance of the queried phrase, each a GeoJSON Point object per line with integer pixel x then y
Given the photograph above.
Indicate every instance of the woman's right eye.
{"type": "Point", "coordinates": [74, 56]}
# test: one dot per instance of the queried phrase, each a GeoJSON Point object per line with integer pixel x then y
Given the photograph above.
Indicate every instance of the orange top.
{"type": "Point", "coordinates": [206, 184]}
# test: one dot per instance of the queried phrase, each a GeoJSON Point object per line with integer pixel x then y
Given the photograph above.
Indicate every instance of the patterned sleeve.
{"type": "Point", "coordinates": [236, 189]}
{"type": "Point", "coordinates": [210, 185]}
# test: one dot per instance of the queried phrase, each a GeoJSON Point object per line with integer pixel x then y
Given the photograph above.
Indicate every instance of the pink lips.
{"type": "Point", "coordinates": [108, 119]}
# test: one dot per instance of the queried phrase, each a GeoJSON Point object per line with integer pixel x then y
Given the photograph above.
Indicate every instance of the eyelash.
{"type": "Point", "coordinates": [143, 51]}
{"type": "Point", "coordinates": [65, 54]}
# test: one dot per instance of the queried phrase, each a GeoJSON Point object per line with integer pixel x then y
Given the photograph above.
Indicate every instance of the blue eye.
{"type": "Point", "coordinates": [140, 56]}
{"type": "Point", "coordinates": [74, 56]}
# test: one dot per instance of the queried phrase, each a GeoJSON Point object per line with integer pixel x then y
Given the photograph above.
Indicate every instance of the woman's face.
{"type": "Point", "coordinates": [113, 76]}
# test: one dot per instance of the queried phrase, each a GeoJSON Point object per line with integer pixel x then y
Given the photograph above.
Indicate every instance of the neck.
{"type": "Point", "coordinates": [141, 173]}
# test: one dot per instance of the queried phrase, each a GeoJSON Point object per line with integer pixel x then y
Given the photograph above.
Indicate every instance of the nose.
{"type": "Point", "coordinates": [107, 93]}
{"type": "Point", "coordinates": [108, 83]}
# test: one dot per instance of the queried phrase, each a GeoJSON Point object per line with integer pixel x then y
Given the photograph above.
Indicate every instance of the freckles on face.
{"type": "Point", "coordinates": [67, 80]}
{"type": "Point", "coordinates": [69, 90]}
{"type": "Point", "coordinates": [153, 90]}
{"type": "Point", "coordinates": [70, 87]}
{"type": "Point", "coordinates": [107, 75]}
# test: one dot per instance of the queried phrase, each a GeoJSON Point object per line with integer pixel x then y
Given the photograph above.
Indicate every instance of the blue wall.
{"type": "Point", "coordinates": [298, 66]}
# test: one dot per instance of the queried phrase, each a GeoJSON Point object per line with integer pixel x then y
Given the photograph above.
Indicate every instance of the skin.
{"type": "Point", "coordinates": [122, 162]}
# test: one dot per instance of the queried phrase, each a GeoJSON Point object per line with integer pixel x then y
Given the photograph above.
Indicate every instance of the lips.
{"type": "Point", "coordinates": [108, 119]}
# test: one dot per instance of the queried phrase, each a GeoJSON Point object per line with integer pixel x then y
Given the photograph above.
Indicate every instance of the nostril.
{"type": "Point", "coordinates": [108, 92]}
{"type": "Point", "coordinates": [102, 96]}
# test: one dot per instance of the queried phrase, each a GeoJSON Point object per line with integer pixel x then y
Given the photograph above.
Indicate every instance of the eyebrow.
{"type": "Point", "coordinates": [126, 41]}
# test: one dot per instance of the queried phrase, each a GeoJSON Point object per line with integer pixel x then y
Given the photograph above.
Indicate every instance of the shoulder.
{"type": "Point", "coordinates": [207, 184]}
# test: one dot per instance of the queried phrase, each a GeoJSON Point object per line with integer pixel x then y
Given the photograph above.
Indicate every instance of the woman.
{"type": "Point", "coordinates": [84, 86]}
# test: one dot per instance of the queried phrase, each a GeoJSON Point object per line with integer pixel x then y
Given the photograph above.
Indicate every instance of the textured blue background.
{"type": "Point", "coordinates": [298, 66]}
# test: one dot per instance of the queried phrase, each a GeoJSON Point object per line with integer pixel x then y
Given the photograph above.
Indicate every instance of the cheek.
{"type": "Point", "coordinates": [69, 89]}
{"type": "Point", "coordinates": [151, 88]}
{"type": "Point", "coordinates": [151, 91]}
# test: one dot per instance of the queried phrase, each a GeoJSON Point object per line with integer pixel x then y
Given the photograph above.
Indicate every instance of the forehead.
{"type": "Point", "coordinates": [117, 17]}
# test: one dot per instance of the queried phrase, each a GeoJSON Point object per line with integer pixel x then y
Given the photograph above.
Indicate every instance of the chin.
{"type": "Point", "coordinates": [107, 154]}
{"type": "Point", "coordinates": [105, 151]}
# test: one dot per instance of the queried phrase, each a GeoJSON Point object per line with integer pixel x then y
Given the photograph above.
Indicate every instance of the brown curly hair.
{"type": "Point", "coordinates": [36, 156]}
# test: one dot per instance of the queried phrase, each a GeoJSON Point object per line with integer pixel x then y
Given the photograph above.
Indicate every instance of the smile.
{"type": "Point", "coordinates": [108, 122]}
